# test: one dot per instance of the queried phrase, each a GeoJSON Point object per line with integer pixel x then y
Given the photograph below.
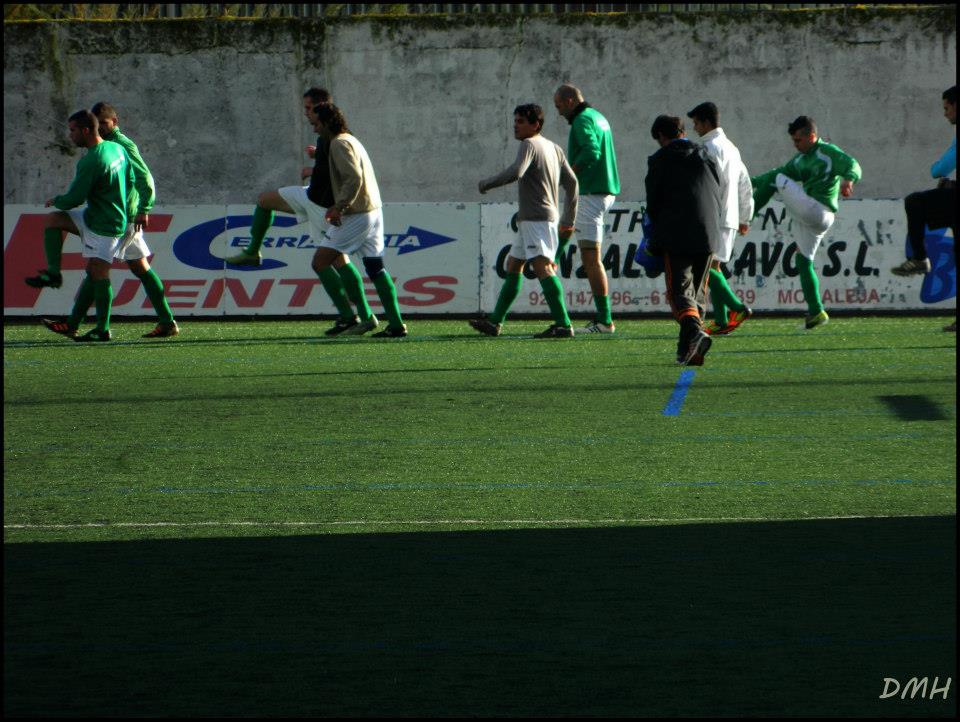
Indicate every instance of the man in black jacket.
{"type": "Point", "coordinates": [683, 203]}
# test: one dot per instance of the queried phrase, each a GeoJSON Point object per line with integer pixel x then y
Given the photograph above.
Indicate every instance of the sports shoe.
{"type": "Point", "coordinates": [391, 332]}
{"type": "Point", "coordinates": [819, 320]}
{"type": "Point", "coordinates": [485, 326]}
{"type": "Point", "coordinates": [61, 327]}
{"type": "Point", "coordinates": [715, 329]}
{"type": "Point", "coordinates": [697, 349]}
{"type": "Point", "coordinates": [737, 318]}
{"type": "Point", "coordinates": [45, 278]}
{"type": "Point", "coordinates": [361, 327]}
{"type": "Point", "coordinates": [163, 330]}
{"type": "Point", "coordinates": [911, 267]}
{"type": "Point", "coordinates": [341, 325]}
{"type": "Point", "coordinates": [951, 327]}
{"type": "Point", "coordinates": [598, 327]}
{"type": "Point", "coordinates": [93, 336]}
{"type": "Point", "coordinates": [245, 259]}
{"type": "Point", "coordinates": [556, 331]}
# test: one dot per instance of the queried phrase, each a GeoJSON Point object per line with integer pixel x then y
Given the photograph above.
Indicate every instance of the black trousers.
{"type": "Point", "coordinates": [934, 208]}
{"type": "Point", "coordinates": [686, 278]}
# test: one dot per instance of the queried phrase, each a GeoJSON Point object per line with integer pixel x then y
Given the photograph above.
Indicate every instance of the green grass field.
{"type": "Point", "coordinates": [253, 520]}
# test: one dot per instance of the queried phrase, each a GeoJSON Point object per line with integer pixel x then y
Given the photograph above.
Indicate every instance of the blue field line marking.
{"type": "Point", "coordinates": [675, 403]}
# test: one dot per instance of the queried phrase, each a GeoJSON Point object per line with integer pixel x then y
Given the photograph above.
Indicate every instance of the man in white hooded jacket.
{"type": "Point", "coordinates": [736, 196]}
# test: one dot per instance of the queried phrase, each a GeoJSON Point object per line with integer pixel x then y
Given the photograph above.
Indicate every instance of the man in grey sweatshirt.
{"type": "Point", "coordinates": [540, 169]}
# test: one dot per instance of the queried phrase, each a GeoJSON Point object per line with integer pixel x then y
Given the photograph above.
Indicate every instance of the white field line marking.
{"type": "Point", "coordinates": [438, 522]}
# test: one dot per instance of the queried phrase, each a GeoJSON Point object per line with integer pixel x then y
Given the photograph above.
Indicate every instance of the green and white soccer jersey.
{"type": "Point", "coordinates": [591, 155]}
{"type": "Point", "coordinates": [143, 195]}
{"type": "Point", "coordinates": [819, 171]}
{"type": "Point", "coordinates": [103, 180]}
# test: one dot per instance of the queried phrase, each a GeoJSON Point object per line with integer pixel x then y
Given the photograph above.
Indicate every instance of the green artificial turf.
{"type": "Point", "coordinates": [253, 519]}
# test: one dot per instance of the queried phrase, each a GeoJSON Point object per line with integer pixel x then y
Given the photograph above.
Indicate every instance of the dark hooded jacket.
{"type": "Point", "coordinates": [683, 199]}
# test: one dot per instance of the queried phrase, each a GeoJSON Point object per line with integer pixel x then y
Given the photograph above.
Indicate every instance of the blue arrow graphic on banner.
{"type": "Point", "coordinates": [416, 239]}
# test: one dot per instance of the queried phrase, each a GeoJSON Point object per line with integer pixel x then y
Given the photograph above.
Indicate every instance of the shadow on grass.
{"type": "Point", "coordinates": [774, 618]}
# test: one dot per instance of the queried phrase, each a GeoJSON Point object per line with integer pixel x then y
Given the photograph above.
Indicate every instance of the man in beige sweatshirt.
{"type": "Point", "coordinates": [356, 219]}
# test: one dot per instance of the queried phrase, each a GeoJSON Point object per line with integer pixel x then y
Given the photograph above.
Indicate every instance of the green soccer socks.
{"type": "Point", "coordinates": [153, 287]}
{"type": "Point", "coordinates": [810, 285]}
{"type": "Point", "coordinates": [388, 297]}
{"type": "Point", "coordinates": [53, 248]}
{"type": "Point", "coordinates": [103, 298]}
{"type": "Point", "coordinates": [333, 285]}
{"type": "Point", "coordinates": [604, 315]}
{"type": "Point", "coordinates": [553, 291]}
{"type": "Point", "coordinates": [262, 220]}
{"type": "Point", "coordinates": [81, 303]}
{"type": "Point", "coordinates": [353, 286]}
{"type": "Point", "coordinates": [723, 298]}
{"type": "Point", "coordinates": [508, 294]}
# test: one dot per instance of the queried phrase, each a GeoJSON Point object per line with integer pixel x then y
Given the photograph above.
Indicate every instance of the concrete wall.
{"type": "Point", "coordinates": [215, 106]}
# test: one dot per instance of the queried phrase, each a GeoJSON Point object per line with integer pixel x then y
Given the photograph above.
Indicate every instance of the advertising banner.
{"type": "Point", "coordinates": [450, 258]}
{"type": "Point", "coordinates": [431, 252]}
{"type": "Point", "coordinates": [854, 260]}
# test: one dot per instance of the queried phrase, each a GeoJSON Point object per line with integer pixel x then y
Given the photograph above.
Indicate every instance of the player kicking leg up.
{"type": "Point", "coordinates": [294, 200]}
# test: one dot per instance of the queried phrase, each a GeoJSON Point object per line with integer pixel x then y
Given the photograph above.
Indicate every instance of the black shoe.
{"type": "Point", "coordinates": [697, 349]}
{"type": "Point", "coordinates": [93, 336]}
{"type": "Point", "coordinates": [391, 332]}
{"type": "Point", "coordinates": [556, 331]}
{"type": "Point", "coordinates": [485, 326]}
{"type": "Point", "coordinates": [341, 325]}
{"type": "Point", "coordinates": [44, 279]}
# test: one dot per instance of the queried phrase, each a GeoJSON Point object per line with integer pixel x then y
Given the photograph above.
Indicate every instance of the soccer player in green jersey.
{"type": "Point", "coordinates": [309, 203]}
{"type": "Point", "coordinates": [104, 179]}
{"type": "Point", "coordinates": [591, 155]}
{"type": "Point", "coordinates": [134, 249]}
{"type": "Point", "coordinates": [808, 185]}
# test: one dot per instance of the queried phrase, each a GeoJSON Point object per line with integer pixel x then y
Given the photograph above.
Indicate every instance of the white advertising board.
{"type": "Point", "coordinates": [449, 258]}
{"type": "Point", "coordinates": [853, 262]}
{"type": "Point", "coordinates": [431, 252]}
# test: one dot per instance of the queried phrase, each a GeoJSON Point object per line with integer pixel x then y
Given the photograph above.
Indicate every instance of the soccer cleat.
{"type": "Point", "coordinates": [736, 319]}
{"type": "Point", "coordinates": [911, 267]}
{"type": "Point", "coordinates": [715, 329]}
{"type": "Point", "coordinates": [362, 327]}
{"type": "Point", "coordinates": [61, 327]}
{"type": "Point", "coordinates": [818, 320]}
{"type": "Point", "coordinates": [245, 259]}
{"type": "Point", "coordinates": [598, 327]}
{"type": "Point", "coordinates": [951, 327]}
{"type": "Point", "coordinates": [697, 349]}
{"type": "Point", "coordinates": [485, 326]}
{"type": "Point", "coordinates": [391, 332]}
{"type": "Point", "coordinates": [163, 330]}
{"type": "Point", "coordinates": [342, 325]}
{"type": "Point", "coordinates": [556, 331]}
{"type": "Point", "coordinates": [45, 278]}
{"type": "Point", "coordinates": [93, 336]}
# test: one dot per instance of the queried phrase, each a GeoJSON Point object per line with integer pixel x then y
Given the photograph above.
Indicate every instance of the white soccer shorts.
{"type": "Point", "coordinates": [133, 247]}
{"type": "Point", "coordinates": [94, 245]}
{"type": "Point", "coordinates": [306, 210]}
{"type": "Point", "coordinates": [810, 218]}
{"type": "Point", "coordinates": [360, 233]}
{"type": "Point", "coordinates": [590, 213]}
{"type": "Point", "coordinates": [536, 238]}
